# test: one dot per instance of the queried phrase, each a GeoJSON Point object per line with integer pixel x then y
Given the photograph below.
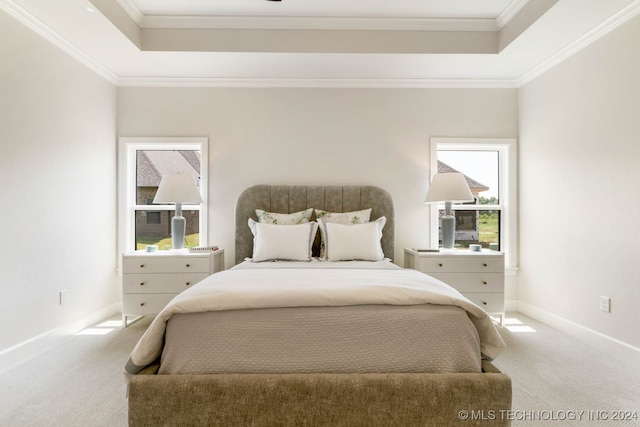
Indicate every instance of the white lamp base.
{"type": "Point", "coordinates": [178, 228]}
{"type": "Point", "coordinates": [448, 225]}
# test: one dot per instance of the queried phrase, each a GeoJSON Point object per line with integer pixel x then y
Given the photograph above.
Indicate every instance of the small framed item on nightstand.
{"type": "Point", "coordinates": [199, 249]}
{"type": "Point", "coordinates": [478, 275]}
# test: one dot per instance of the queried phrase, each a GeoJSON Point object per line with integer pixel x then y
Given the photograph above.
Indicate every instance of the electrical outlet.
{"type": "Point", "coordinates": [605, 304]}
{"type": "Point", "coordinates": [63, 297]}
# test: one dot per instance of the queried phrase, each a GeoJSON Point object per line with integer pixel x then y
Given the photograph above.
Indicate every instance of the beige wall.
{"type": "Point", "coordinates": [579, 198]}
{"type": "Point", "coordinates": [57, 186]}
{"type": "Point", "coordinates": [318, 136]}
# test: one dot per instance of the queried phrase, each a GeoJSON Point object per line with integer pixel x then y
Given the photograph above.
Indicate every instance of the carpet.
{"type": "Point", "coordinates": [79, 382]}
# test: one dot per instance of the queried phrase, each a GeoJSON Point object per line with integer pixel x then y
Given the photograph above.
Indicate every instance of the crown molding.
{"type": "Point", "coordinates": [132, 10]}
{"type": "Point", "coordinates": [317, 83]}
{"type": "Point", "coordinates": [606, 27]}
{"type": "Point", "coordinates": [509, 13]}
{"type": "Point", "coordinates": [406, 24]}
{"type": "Point", "coordinates": [56, 39]}
{"type": "Point", "coordinates": [317, 23]}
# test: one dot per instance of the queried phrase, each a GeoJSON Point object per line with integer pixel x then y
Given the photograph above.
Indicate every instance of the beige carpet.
{"type": "Point", "coordinates": [76, 383]}
{"type": "Point", "coordinates": [79, 382]}
{"type": "Point", "coordinates": [561, 381]}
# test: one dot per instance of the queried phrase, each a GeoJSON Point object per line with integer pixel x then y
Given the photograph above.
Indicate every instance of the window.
{"type": "Point", "coordinates": [489, 167]}
{"type": "Point", "coordinates": [142, 163]}
{"type": "Point", "coordinates": [154, 217]}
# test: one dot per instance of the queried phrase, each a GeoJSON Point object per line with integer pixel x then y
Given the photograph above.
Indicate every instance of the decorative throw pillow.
{"type": "Point", "coordinates": [284, 219]}
{"type": "Point", "coordinates": [353, 242]}
{"type": "Point", "coordinates": [282, 242]}
{"type": "Point", "coordinates": [354, 217]}
{"type": "Point", "coordinates": [344, 218]}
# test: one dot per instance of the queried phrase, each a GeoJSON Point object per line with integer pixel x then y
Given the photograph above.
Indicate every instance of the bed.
{"type": "Point", "coordinates": [337, 342]}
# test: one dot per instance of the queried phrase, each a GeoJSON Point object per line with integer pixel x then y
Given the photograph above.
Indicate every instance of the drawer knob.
{"type": "Point", "coordinates": [187, 284]}
{"type": "Point", "coordinates": [484, 264]}
{"type": "Point", "coordinates": [141, 265]}
{"type": "Point", "coordinates": [484, 302]}
{"type": "Point", "coordinates": [141, 283]}
{"type": "Point", "coordinates": [484, 282]}
{"type": "Point", "coordinates": [188, 265]}
{"type": "Point", "coordinates": [141, 304]}
{"type": "Point", "coordinates": [439, 264]}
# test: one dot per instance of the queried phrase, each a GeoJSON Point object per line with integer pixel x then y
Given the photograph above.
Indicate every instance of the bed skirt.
{"type": "Point", "coordinates": [403, 399]}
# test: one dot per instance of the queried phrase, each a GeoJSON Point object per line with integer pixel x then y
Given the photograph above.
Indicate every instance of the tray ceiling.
{"type": "Point", "coordinates": [328, 43]}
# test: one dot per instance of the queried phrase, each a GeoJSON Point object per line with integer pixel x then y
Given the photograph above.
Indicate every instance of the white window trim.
{"type": "Point", "coordinates": [507, 157]}
{"type": "Point", "coordinates": [127, 147]}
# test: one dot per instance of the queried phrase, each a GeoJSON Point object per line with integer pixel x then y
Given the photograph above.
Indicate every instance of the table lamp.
{"type": "Point", "coordinates": [178, 189]}
{"type": "Point", "coordinates": [448, 188]}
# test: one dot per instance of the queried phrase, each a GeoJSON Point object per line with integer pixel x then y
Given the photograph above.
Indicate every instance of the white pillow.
{"type": "Point", "coordinates": [353, 242]}
{"type": "Point", "coordinates": [345, 218]}
{"type": "Point", "coordinates": [282, 242]}
{"type": "Point", "coordinates": [284, 219]}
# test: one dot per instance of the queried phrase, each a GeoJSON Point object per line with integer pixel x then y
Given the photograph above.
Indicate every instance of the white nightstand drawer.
{"type": "Point", "coordinates": [145, 303]}
{"type": "Point", "coordinates": [166, 264]}
{"type": "Point", "coordinates": [453, 264]}
{"type": "Point", "coordinates": [490, 302]}
{"type": "Point", "coordinates": [479, 276]}
{"type": "Point", "coordinates": [160, 283]}
{"type": "Point", "coordinates": [151, 280]}
{"type": "Point", "coordinates": [476, 282]}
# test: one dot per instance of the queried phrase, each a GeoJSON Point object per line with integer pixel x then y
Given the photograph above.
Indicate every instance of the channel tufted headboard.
{"type": "Point", "coordinates": [294, 198]}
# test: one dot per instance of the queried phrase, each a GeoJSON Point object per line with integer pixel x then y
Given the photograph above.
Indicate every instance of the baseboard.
{"type": "Point", "coordinates": [612, 346]}
{"type": "Point", "coordinates": [29, 348]}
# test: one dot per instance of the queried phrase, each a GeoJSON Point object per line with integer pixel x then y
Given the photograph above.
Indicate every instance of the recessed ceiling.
{"type": "Point", "coordinates": [328, 43]}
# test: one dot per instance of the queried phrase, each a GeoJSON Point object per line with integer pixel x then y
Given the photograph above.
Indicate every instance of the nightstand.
{"type": "Point", "coordinates": [479, 276]}
{"type": "Point", "coordinates": [151, 279]}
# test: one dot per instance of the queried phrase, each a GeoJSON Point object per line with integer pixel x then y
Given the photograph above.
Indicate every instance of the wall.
{"type": "Point", "coordinates": [57, 185]}
{"type": "Point", "coordinates": [318, 136]}
{"type": "Point", "coordinates": [579, 204]}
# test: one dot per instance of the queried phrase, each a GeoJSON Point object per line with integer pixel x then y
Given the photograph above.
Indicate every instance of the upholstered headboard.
{"type": "Point", "coordinates": [294, 198]}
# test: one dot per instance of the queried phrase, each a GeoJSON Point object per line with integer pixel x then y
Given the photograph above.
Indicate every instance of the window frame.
{"type": "Point", "coordinates": [127, 206]}
{"type": "Point", "coordinates": [507, 191]}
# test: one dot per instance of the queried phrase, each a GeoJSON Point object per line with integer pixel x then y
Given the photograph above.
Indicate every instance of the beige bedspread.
{"type": "Point", "coordinates": [264, 288]}
{"type": "Point", "coordinates": [361, 338]}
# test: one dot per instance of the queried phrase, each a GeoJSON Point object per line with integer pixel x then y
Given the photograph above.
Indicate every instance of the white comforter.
{"type": "Point", "coordinates": [244, 288]}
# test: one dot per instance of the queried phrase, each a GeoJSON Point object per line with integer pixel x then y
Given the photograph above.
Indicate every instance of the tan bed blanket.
{"type": "Point", "coordinates": [239, 288]}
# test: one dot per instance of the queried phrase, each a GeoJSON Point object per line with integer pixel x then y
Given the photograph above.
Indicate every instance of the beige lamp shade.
{"type": "Point", "coordinates": [449, 187]}
{"type": "Point", "coordinates": [178, 188]}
